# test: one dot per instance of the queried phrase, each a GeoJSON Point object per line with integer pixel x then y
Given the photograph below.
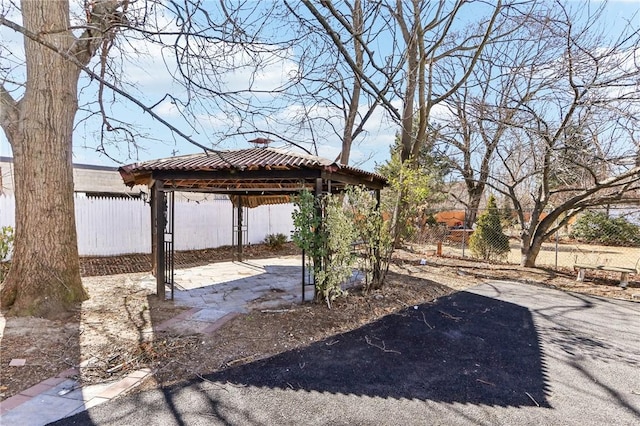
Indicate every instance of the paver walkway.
{"type": "Point", "coordinates": [215, 293]}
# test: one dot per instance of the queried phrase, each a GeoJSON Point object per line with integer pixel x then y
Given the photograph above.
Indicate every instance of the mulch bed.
{"type": "Point", "coordinates": [140, 262]}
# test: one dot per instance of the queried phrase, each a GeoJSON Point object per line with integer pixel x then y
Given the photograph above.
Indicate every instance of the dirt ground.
{"type": "Point", "coordinates": [113, 334]}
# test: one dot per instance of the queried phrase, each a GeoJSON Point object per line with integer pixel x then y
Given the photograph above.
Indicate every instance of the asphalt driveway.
{"type": "Point", "coordinates": [500, 353]}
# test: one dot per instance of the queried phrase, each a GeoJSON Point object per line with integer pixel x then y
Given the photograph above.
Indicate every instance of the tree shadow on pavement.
{"type": "Point", "coordinates": [463, 348]}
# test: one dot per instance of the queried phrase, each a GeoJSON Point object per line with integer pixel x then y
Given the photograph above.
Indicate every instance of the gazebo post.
{"type": "Point", "coordinates": [376, 247]}
{"type": "Point", "coordinates": [317, 261]}
{"type": "Point", "coordinates": [239, 230]}
{"type": "Point", "coordinates": [159, 225]}
{"type": "Point", "coordinates": [154, 243]}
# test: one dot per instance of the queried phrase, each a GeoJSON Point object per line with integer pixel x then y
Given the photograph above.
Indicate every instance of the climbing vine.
{"type": "Point", "coordinates": [373, 234]}
{"type": "Point", "coordinates": [308, 233]}
{"type": "Point", "coordinates": [307, 222]}
{"type": "Point", "coordinates": [323, 231]}
{"type": "Point", "coordinates": [329, 229]}
{"type": "Point", "coordinates": [340, 259]}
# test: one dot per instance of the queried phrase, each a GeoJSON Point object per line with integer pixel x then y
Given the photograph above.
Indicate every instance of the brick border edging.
{"type": "Point", "coordinates": [132, 380]}
{"type": "Point", "coordinates": [220, 322]}
{"type": "Point", "coordinates": [35, 390]}
{"type": "Point", "coordinates": [117, 388]}
{"type": "Point", "coordinates": [163, 326]}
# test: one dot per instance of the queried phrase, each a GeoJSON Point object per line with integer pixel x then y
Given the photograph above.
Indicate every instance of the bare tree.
{"type": "Point", "coordinates": [440, 58]}
{"type": "Point", "coordinates": [436, 57]}
{"type": "Point", "coordinates": [419, 39]}
{"type": "Point", "coordinates": [573, 142]}
{"type": "Point", "coordinates": [45, 277]}
{"type": "Point", "coordinates": [40, 101]}
{"type": "Point", "coordinates": [479, 113]}
{"type": "Point", "coordinates": [433, 47]}
{"type": "Point", "coordinates": [344, 76]}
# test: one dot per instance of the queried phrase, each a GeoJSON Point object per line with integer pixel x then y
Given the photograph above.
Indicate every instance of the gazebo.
{"type": "Point", "coordinates": [250, 177]}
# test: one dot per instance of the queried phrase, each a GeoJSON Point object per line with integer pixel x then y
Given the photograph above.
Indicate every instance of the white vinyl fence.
{"type": "Point", "coordinates": [112, 226]}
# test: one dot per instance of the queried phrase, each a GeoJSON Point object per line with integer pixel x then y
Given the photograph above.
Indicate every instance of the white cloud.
{"type": "Point", "coordinates": [266, 70]}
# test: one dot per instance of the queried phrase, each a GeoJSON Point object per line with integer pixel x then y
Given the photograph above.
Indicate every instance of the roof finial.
{"type": "Point", "coordinates": [260, 142]}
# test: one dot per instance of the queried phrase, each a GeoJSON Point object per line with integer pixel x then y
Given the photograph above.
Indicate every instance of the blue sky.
{"type": "Point", "coordinates": [148, 81]}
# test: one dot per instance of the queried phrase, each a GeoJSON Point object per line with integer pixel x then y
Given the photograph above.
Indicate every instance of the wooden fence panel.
{"type": "Point", "coordinates": [113, 226]}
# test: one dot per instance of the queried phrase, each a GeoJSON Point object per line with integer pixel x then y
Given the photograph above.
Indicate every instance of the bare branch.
{"type": "Point", "coordinates": [382, 347]}
{"type": "Point", "coordinates": [8, 111]}
{"type": "Point", "coordinates": [102, 25]}
{"type": "Point", "coordinates": [350, 61]}
{"type": "Point", "coordinates": [75, 61]}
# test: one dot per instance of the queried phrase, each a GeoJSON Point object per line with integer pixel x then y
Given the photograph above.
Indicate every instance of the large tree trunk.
{"type": "Point", "coordinates": [475, 196]}
{"type": "Point", "coordinates": [529, 255]}
{"type": "Point", "coordinates": [529, 249]}
{"type": "Point", "coordinates": [352, 113]}
{"type": "Point", "coordinates": [44, 279]}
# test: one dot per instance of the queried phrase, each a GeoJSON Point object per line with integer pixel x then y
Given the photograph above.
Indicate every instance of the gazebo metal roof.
{"type": "Point", "coordinates": [268, 173]}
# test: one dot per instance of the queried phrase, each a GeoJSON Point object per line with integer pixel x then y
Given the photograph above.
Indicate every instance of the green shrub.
{"type": "Point", "coordinates": [339, 259]}
{"type": "Point", "coordinates": [308, 232]}
{"type": "Point", "coordinates": [6, 245]}
{"type": "Point", "coordinates": [598, 228]}
{"type": "Point", "coordinates": [373, 235]}
{"type": "Point", "coordinates": [409, 187]}
{"type": "Point", "coordinates": [275, 241]}
{"type": "Point", "coordinates": [488, 241]}
{"type": "Point", "coordinates": [329, 240]}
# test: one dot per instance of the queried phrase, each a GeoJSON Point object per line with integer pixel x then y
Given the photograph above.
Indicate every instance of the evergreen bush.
{"type": "Point", "coordinates": [488, 241]}
{"type": "Point", "coordinates": [598, 228]}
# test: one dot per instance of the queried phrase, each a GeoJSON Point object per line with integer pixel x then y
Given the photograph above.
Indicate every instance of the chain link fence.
{"type": "Point", "coordinates": [608, 237]}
